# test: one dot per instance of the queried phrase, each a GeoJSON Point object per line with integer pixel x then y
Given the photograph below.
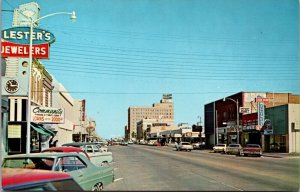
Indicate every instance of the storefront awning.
{"type": "Point", "coordinates": [39, 130]}
{"type": "Point", "coordinates": [43, 129]}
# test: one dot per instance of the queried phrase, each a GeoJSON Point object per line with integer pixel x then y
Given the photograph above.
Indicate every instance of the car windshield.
{"type": "Point", "coordinates": [185, 143]}
{"type": "Point", "coordinates": [29, 163]}
{"type": "Point", "coordinates": [221, 145]}
{"type": "Point", "coordinates": [252, 146]}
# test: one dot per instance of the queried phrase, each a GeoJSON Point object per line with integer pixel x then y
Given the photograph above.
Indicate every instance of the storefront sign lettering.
{"type": "Point", "coordinates": [9, 49]}
{"type": "Point", "coordinates": [47, 115]}
{"type": "Point", "coordinates": [21, 35]}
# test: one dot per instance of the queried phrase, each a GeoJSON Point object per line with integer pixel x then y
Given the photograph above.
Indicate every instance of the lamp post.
{"type": "Point", "coordinates": [237, 117]}
{"type": "Point", "coordinates": [32, 22]}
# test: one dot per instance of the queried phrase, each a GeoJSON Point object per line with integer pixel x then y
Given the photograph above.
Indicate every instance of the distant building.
{"type": "Point", "coordinates": [162, 110]}
{"type": "Point", "coordinates": [254, 121]}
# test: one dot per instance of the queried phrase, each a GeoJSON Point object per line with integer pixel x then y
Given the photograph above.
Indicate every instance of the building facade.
{"type": "Point", "coordinates": [162, 110]}
{"type": "Point", "coordinates": [221, 119]}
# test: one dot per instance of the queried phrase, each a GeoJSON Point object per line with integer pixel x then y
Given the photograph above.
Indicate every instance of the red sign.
{"type": "Point", "coordinates": [249, 119]}
{"type": "Point", "coordinates": [262, 100]}
{"type": "Point", "coordinates": [83, 110]}
{"type": "Point", "coordinates": [8, 49]}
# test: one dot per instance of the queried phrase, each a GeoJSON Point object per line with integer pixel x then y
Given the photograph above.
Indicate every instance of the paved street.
{"type": "Point", "coordinates": [141, 167]}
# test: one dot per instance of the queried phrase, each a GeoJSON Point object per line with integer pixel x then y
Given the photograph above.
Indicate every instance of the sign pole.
{"type": "Point", "coordinates": [28, 138]}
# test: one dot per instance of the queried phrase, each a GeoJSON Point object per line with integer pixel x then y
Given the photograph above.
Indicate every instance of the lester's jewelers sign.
{"type": "Point", "coordinates": [47, 115]}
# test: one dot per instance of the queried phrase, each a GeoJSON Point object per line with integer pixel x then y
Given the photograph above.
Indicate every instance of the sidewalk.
{"type": "Point", "coordinates": [281, 155]}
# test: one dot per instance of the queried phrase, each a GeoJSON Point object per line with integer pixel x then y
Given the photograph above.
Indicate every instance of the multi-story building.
{"type": "Point", "coordinates": [254, 113]}
{"type": "Point", "coordinates": [162, 110]}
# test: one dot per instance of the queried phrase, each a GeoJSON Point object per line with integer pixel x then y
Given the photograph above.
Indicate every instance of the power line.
{"type": "Point", "coordinates": [161, 76]}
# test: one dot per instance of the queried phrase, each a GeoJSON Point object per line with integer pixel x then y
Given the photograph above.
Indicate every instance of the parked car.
{"type": "Point", "coordinates": [234, 149]}
{"type": "Point", "coordinates": [124, 143]}
{"type": "Point", "coordinates": [89, 176]}
{"type": "Point", "coordinates": [130, 142]}
{"type": "Point", "coordinates": [16, 179]}
{"type": "Point", "coordinates": [198, 145]}
{"type": "Point", "coordinates": [184, 146]}
{"type": "Point", "coordinates": [251, 149]}
{"type": "Point", "coordinates": [66, 150]}
{"type": "Point", "coordinates": [220, 148]}
{"type": "Point", "coordinates": [97, 156]}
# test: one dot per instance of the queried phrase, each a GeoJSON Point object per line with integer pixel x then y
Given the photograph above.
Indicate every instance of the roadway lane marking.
{"type": "Point", "coordinates": [119, 179]}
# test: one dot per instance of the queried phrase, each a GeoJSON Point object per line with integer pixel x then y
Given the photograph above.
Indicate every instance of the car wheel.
{"type": "Point", "coordinates": [98, 187]}
{"type": "Point", "coordinates": [105, 163]}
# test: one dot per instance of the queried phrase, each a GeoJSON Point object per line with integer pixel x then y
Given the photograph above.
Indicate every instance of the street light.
{"type": "Point", "coordinates": [237, 117]}
{"type": "Point", "coordinates": [32, 22]}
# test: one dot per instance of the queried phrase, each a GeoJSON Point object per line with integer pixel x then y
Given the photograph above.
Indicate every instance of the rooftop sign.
{"type": "Point", "coordinates": [21, 35]}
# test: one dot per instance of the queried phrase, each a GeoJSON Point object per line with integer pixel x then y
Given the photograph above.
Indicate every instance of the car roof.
{"type": "Point", "coordinates": [64, 149]}
{"type": "Point", "coordinates": [43, 155]}
{"type": "Point", "coordinates": [79, 144]}
{"type": "Point", "coordinates": [15, 176]}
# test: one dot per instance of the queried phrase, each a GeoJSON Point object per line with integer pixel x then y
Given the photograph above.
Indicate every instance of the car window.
{"type": "Point", "coordinates": [89, 149]}
{"type": "Point", "coordinates": [96, 148]}
{"type": "Point", "coordinates": [30, 163]}
{"type": "Point", "coordinates": [70, 163]}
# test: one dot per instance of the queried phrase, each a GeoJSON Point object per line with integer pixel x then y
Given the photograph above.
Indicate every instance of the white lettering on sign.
{"type": "Point", "coordinates": [43, 35]}
{"type": "Point", "coordinates": [23, 50]}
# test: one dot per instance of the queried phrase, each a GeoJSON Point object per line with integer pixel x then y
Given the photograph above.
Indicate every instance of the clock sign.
{"type": "Point", "coordinates": [11, 86]}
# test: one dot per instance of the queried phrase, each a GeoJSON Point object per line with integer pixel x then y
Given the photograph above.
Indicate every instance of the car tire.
{"type": "Point", "coordinates": [98, 187]}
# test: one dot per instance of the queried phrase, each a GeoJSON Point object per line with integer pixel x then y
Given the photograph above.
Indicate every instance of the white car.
{"type": "Point", "coordinates": [234, 149]}
{"type": "Point", "coordinates": [97, 155]}
{"type": "Point", "coordinates": [184, 146]}
{"type": "Point", "coordinates": [220, 148]}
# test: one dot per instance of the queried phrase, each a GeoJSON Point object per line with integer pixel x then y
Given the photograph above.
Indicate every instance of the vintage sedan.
{"type": "Point", "coordinates": [187, 146]}
{"type": "Point", "coordinates": [96, 154]}
{"type": "Point", "coordinates": [89, 176]}
{"type": "Point", "coordinates": [17, 179]}
{"type": "Point", "coordinates": [233, 149]}
{"type": "Point", "coordinates": [220, 148]}
{"type": "Point", "coordinates": [251, 149]}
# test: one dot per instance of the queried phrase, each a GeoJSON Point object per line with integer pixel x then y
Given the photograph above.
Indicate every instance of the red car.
{"type": "Point", "coordinates": [251, 149]}
{"type": "Point", "coordinates": [37, 180]}
{"type": "Point", "coordinates": [67, 150]}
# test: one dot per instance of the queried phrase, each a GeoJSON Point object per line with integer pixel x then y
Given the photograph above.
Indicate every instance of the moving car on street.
{"type": "Point", "coordinates": [233, 149]}
{"type": "Point", "coordinates": [89, 176]}
{"type": "Point", "coordinates": [184, 146]}
{"type": "Point", "coordinates": [97, 156]}
{"type": "Point", "coordinates": [220, 148]}
{"type": "Point", "coordinates": [251, 149]}
{"type": "Point", "coordinates": [16, 179]}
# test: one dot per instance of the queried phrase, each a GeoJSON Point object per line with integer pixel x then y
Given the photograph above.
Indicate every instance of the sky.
{"type": "Point", "coordinates": [122, 53]}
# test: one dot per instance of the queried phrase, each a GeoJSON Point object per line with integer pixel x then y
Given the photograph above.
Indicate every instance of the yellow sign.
{"type": "Point", "coordinates": [14, 131]}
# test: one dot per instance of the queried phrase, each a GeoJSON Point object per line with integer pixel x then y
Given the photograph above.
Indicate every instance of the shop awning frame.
{"type": "Point", "coordinates": [43, 129]}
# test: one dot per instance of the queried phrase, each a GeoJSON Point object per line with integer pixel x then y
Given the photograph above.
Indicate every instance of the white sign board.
{"type": "Point", "coordinates": [47, 115]}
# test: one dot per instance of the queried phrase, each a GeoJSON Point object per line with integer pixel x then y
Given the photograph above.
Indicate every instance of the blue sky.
{"type": "Point", "coordinates": [122, 53]}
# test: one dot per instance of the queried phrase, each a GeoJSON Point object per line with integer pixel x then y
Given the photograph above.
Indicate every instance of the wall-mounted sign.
{"type": "Point", "coordinates": [260, 114]}
{"type": "Point", "coordinates": [262, 100]}
{"type": "Point", "coordinates": [21, 35]}
{"type": "Point", "coordinates": [244, 109]}
{"type": "Point", "coordinates": [40, 51]}
{"type": "Point", "coordinates": [14, 131]}
{"type": "Point", "coordinates": [47, 115]}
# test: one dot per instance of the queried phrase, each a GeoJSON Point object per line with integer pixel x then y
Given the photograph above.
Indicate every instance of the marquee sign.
{"type": "Point", "coordinates": [16, 42]}
{"type": "Point", "coordinates": [40, 51]}
{"type": "Point", "coordinates": [21, 35]}
{"type": "Point", "coordinates": [47, 115]}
